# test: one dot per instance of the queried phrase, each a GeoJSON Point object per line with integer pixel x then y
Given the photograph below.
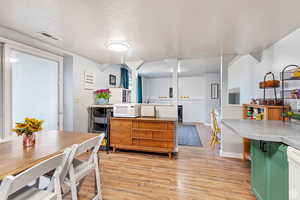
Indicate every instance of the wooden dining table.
{"type": "Point", "coordinates": [14, 158]}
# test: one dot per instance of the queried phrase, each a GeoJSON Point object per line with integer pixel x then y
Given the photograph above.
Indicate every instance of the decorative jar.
{"type": "Point", "coordinates": [28, 140]}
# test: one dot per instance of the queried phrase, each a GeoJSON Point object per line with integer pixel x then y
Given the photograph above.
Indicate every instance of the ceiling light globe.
{"type": "Point", "coordinates": [117, 46]}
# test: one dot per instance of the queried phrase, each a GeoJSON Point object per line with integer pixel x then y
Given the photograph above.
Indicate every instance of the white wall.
{"type": "Point", "coordinates": [103, 76]}
{"type": "Point", "coordinates": [197, 107]}
{"type": "Point", "coordinates": [211, 104]}
{"type": "Point", "coordinates": [76, 100]}
{"type": "Point", "coordinates": [194, 106]}
{"type": "Point", "coordinates": [68, 94]}
{"type": "Point", "coordinates": [240, 76]}
{"type": "Point", "coordinates": [231, 143]}
{"type": "Point", "coordinates": [193, 87]}
{"type": "Point", "coordinates": [83, 98]}
{"type": "Point", "coordinates": [1, 93]}
{"type": "Point", "coordinates": [154, 88]}
{"type": "Point", "coordinates": [274, 58]}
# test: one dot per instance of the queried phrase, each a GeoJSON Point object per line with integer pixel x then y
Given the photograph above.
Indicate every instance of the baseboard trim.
{"type": "Point", "coordinates": [207, 124]}
{"type": "Point", "coordinates": [231, 155]}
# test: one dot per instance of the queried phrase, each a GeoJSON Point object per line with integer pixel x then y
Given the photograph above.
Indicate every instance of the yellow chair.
{"type": "Point", "coordinates": [215, 130]}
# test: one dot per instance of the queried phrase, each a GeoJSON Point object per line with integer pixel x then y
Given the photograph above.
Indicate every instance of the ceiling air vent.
{"type": "Point", "coordinates": [49, 36]}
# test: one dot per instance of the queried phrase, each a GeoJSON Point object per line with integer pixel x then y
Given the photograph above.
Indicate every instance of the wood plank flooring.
{"type": "Point", "coordinates": [196, 173]}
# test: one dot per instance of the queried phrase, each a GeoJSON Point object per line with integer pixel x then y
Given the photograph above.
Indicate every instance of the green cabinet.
{"type": "Point", "coordinates": [258, 171]}
{"type": "Point", "coordinates": [269, 170]}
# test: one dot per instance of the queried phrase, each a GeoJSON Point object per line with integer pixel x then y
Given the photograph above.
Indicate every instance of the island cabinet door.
{"type": "Point", "coordinates": [269, 170]}
{"type": "Point", "coordinates": [259, 169]}
{"type": "Point", "coordinates": [278, 172]}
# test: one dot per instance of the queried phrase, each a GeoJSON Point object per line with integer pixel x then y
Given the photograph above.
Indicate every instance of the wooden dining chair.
{"type": "Point", "coordinates": [79, 169]}
{"type": "Point", "coordinates": [215, 130]}
{"type": "Point", "coordinates": [16, 187]}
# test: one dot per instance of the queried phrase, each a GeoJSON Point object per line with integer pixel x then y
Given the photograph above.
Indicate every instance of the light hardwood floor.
{"type": "Point", "coordinates": [196, 173]}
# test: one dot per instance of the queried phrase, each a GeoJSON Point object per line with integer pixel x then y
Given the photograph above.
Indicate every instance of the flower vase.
{"type": "Point", "coordinates": [28, 140]}
{"type": "Point", "coordinates": [102, 101]}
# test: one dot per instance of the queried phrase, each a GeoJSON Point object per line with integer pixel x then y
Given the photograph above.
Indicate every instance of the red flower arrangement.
{"type": "Point", "coordinates": [102, 93]}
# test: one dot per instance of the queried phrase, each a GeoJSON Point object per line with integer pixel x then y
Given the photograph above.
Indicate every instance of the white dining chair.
{"type": "Point", "coordinates": [68, 159]}
{"type": "Point", "coordinates": [16, 187]}
{"type": "Point", "coordinates": [79, 169]}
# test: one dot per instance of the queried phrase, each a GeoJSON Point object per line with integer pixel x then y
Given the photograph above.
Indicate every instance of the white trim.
{"type": "Point", "coordinates": [231, 155]}
{"type": "Point", "coordinates": [207, 124]}
{"type": "Point", "coordinates": [7, 119]}
{"type": "Point", "coordinates": [33, 51]}
{"type": "Point", "coordinates": [234, 59]}
{"type": "Point", "coordinates": [293, 155]}
{"type": "Point", "coordinates": [1, 90]}
{"type": "Point", "coordinates": [7, 98]}
{"type": "Point", "coordinates": [60, 94]}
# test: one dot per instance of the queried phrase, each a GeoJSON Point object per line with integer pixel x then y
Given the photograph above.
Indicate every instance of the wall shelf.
{"type": "Point", "coordinates": [288, 74]}
{"type": "Point", "coordinates": [269, 113]}
{"type": "Point", "coordinates": [99, 120]}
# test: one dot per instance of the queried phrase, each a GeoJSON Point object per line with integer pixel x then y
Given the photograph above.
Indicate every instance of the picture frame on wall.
{"type": "Point", "coordinates": [89, 81]}
{"type": "Point", "coordinates": [112, 80]}
{"type": "Point", "coordinates": [170, 92]}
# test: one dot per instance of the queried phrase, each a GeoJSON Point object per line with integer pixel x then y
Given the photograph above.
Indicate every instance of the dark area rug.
{"type": "Point", "coordinates": [188, 135]}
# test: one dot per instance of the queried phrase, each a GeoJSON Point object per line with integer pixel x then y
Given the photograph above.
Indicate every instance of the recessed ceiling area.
{"type": "Point", "coordinates": [155, 30]}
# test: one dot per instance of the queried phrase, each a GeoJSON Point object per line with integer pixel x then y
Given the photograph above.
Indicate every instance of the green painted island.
{"type": "Point", "coordinates": [269, 162]}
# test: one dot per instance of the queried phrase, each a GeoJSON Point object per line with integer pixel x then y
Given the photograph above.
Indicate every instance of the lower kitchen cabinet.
{"type": "Point", "coordinates": [294, 173]}
{"type": "Point", "coordinates": [269, 170]}
{"type": "Point", "coordinates": [258, 170]}
{"type": "Point", "coordinates": [144, 134]}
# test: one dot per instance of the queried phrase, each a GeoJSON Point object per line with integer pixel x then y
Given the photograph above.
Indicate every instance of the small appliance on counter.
{"type": "Point", "coordinates": [127, 110]}
{"type": "Point", "coordinates": [148, 110]}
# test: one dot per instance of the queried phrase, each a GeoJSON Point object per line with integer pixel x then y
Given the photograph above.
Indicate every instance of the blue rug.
{"type": "Point", "coordinates": [188, 135]}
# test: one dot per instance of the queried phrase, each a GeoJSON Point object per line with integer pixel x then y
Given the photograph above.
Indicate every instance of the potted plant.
{"type": "Point", "coordinates": [102, 96]}
{"type": "Point", "coordinates": [28, 129]}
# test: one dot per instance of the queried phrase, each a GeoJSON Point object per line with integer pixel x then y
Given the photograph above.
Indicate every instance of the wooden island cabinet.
{"type": "Point", "coordinates": [144, 134]}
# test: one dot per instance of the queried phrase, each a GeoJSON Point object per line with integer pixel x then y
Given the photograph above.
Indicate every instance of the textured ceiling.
{"type": "Point", "coordinates": [156, 29]}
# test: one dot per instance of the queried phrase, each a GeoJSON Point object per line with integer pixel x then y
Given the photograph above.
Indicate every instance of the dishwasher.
{"type": "Point", "coordinates": [294, 173]}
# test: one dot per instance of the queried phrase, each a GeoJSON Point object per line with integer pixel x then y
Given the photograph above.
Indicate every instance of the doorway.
{"type": "Point", "coordinates": [34, 82]}
{"type": "Point", "coordinates": [32, 87]}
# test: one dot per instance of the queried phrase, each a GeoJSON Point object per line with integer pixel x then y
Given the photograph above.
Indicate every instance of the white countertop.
{"type": "Point", "coordinates": [266, 130]}
{"type": "Point", "coordinates": [102, 106]}
{"type": "Point", "coordinates": [156, 104]}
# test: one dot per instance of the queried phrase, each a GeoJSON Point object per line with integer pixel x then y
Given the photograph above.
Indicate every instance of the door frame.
{"type": "Point", "coordinates": [7, 81]}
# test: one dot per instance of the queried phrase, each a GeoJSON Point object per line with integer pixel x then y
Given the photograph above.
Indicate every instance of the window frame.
{"type": "Point", "coordinates": [7, 82]}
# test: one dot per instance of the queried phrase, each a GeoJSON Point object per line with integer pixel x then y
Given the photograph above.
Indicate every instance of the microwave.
{"type": "Point", "coordinates": [127, 110]}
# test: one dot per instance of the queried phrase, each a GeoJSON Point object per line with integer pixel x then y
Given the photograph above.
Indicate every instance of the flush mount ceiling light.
{"type": "Point", "coordinates": [117, 45]}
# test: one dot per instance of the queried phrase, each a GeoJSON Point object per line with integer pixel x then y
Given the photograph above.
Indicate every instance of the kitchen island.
{"type": "Point", "coordinates": [266, 130]}
{"type": "Point", "coordinates": [144, 134]}
{"type": "Point", "coordinates": [269, 162]}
